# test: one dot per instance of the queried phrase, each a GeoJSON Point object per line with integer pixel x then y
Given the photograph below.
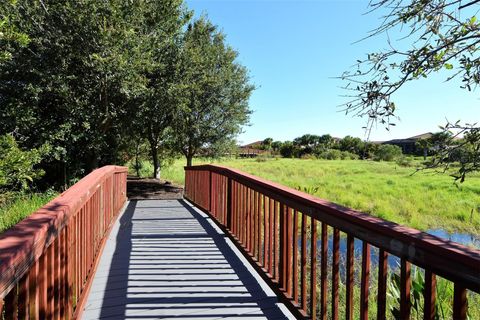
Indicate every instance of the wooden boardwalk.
{"type": "Point", "coordinates": [166, 260]}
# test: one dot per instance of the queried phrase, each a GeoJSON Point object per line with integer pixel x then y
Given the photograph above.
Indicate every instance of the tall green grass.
{"type": "Point", "coordinates": [424, 200]}
{"type": "Point", "coordinates": [21, 206]}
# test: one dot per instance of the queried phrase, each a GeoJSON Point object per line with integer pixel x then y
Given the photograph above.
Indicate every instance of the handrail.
{"type": "Point", "coordinates": [261, 214]}
{"type": "Point", "coordinates": [47, 260]}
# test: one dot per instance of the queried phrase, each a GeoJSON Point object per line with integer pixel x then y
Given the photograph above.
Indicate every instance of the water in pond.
{"type": "Point", "coordinates": [393, 261]}
{"type": "Point", "coordinates": [463, 238]}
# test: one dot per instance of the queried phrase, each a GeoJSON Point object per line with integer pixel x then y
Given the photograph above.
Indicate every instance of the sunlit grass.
{"type": "Point", "coordinates": [21, 206]}
{"type": "Point", "coordinates": [424, 200]}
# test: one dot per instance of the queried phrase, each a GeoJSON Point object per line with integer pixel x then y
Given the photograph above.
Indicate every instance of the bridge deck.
{"type": "Point", "coordinates": [164, 259]}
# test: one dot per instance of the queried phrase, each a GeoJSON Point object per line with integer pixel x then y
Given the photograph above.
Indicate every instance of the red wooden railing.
{"type": "Point", "coordinates": [263, 218]}
{"type": "Point", "coordinates": [47, 261]}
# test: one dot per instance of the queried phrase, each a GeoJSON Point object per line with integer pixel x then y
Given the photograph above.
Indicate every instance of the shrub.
{"type": "Point", "coordinates": [17, 167]}
{"type": "Point", "coordinates": [308, 156]}
{"type": "Point", "coordinates": [330, 154]}
{"type": "Point", "coordinates": [387, 152]}
{"type": "Point", "coordinates": [287, 150]}
{"type": "Point", "coordinates": [404, 161]}
{"type": "Point", "coordinates": [345, 155]}
{"type": "Point", "coordinates": [261, 158]}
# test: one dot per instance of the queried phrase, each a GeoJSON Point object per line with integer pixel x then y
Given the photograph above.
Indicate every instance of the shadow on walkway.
{"type": "Point", "coordinates": [166, 260]}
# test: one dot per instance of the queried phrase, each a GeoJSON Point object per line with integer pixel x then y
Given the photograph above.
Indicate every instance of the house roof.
{"type": "Point", "coordinates": [253, 144]}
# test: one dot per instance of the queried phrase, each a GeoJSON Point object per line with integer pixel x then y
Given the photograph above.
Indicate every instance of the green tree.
{"type": "Point", "coordinates": [387, 152]}
{"type": "Point", "coordinates": [267, 144]}
{"type": "Point", "coordinates": [425, 145]}
{"type": "Point", "coordinates": [288, 150]}
{"type": "Point", "coordinates": [213, 90]}
{"type": "Point", "coordinates": [351, 144]}
{"type": "Point", "coordinates": [161, 39]}
{"type": "Point", "coordinates": [17, 167]}
{"type": "Point", "coordinates": [10, 36]}
{"type": "Point", "coordinates": [74, 84]}
{"type": "Point", "coordinates": [276, 145]}
{"type": "Point", "coordinates": [444, 35]}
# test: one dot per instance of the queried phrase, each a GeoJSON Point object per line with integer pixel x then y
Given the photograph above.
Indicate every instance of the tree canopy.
{"type": "Point", "coordinates": [85, 77]}
{"type": "Point", "coordinates": [441, 35]}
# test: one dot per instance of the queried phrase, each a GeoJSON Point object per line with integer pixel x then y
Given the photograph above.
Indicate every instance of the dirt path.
{"type": "Point", "coordinates": [145, 188]}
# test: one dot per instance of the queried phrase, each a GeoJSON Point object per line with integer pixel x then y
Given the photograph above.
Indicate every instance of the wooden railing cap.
{"type": "Point", "coordinates": [22, 245]}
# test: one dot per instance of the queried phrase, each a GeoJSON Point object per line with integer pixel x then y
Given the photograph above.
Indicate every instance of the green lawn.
{"type": "Point", "coordinates": [384, 189]}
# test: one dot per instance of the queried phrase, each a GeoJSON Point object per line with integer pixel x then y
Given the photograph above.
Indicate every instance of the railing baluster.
{"type": "Point", "coordinates": [335, 272]}
{"type": "Point", "coordinates": [51, 281]}
{"type": "Point", "coordinates": [365, 281]}
{"type": "Point", "coordinates": [283, 247]}
{"type": "Point", "coordinates": [349, 277]}
{"type": "Point", "coordinates": [276, 242]}
{"type": "Point", "coordinates": [295, 256]}
{"type": "Point", "coordinates": [304, 263]}
{"type": "Point", "coordinates": [259, 228]}
{"type": "Point", "coordinates": [429, 295]}
{"type": "Point", "coordinates": [11, 305]}
{"type": "Point", "coordinates": [323, 271]}
{"type": "Point", "coordinates": [255, 225]}
{"type": "Point", "coordinates": [33, 292]}
{"type": "Point", "coordinates": [313, 270]}
{"type": "Point", "coordinates": [459, 302]}
{"type": "Point", "coordinates": [271, 235]}
{"type": "Point", "coordinates": [405, 304]}
{"type": "Point", "coordinates": [266, 236]}
{"type": "Point", "coordinates": [43, 285]}
{"type": "Point", "coordinates": [382, 284]}
{"type": "Point", "coordinates": [289, 252]}
{"type": "Point", "coordinates": [23, 297]}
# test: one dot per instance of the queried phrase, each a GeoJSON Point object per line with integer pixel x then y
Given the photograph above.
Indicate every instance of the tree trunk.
{"type": "Point", "coordinates": [425, 152]}
{"type": "Point", "coordinates": [137, 160]}
{"type": "Point", "coordinates": [156, 163]}
{"type": "Point", "coordinates": [189, 160]}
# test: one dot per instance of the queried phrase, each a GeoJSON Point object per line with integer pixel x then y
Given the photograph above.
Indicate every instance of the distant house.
{"type": "Point", "coordinates": [251, 150]}
{"type": "Point", "coordinates": [409, 145]}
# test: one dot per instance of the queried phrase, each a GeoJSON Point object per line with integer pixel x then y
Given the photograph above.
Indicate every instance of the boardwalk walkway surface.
{"type": "Point", "coordinates": [166, 260]}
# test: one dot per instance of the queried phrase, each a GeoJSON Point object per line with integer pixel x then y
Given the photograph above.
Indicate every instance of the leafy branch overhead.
{"type": "Point", "coordinates": [438, 35]}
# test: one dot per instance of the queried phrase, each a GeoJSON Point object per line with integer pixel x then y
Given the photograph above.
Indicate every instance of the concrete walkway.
{"type": "Point", "coordinates": [166, 260]}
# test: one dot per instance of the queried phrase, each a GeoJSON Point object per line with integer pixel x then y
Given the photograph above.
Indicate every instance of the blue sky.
{"type": "Point", "coordinates": [294, 49]}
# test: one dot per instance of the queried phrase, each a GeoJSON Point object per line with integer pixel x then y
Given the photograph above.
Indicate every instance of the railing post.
{"type": "Point", "coordinates": [229, 204]}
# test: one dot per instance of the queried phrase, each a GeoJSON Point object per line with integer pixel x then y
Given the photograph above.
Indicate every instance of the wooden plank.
{"type": "Point", "coordinates": [459, 302]}
{"type": "Point", "coordinates": [266, 231]}
{"type": "Point", "coordinates": [11, 305]}
{"type": "Point", "coordinates": [303, 275]}
{"type": "Point", "coordinates": [313, 270]}
{"type": "Point", "coordinates": [430, 295]}
{"type": "Point", "coordinates": [272, 233]}
{"type": "Point", "coordinates": [24, 297]}
{"type": "Point", "coordinates": [405, 283]}
{"type": "Point", "coordinates": [365, 281]}
{"type": "Point", "coordinates": [34, 292]}
{"type": "Point", "coordinates": [289, 256]}
{"type": "Point", "coordinates": [382, 284]}
{"type": "Point", "coordinates": [295, 257]}
{"type": "Point", "coordinates": [335, 272]}
{"type": "Point", "coordinates": [350, 282]}
{"type": "Point", "coordinates": [323, 272]}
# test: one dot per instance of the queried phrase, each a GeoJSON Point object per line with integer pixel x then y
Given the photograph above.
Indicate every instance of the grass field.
{"type": "Point", "coordinates": [21, 206]}
{"type": "Point", "coordinates": [384, 189]}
